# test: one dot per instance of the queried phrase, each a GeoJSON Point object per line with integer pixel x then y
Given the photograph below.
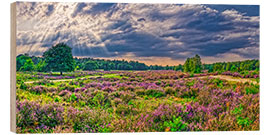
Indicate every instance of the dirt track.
{"type": "Point", "coordinates": [230, 78]}
{"type": "Point", "coordinates": [61, 80]}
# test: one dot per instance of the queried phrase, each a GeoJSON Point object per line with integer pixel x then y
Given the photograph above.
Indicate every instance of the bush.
{"type": "Point", "coordinates": [23, 86]}
{"type": "Point", "coordinates": [176, 124]}
{"type": "Point", "coordinates": [123, 109]}
{"type": "Point", "coordinates": [100, 99]}
{"type": "Point", "coordinates": [116, 101]}
{"type": "Point", "coordinates": [253, 89]}
{"type": "Point", "coordinates": [73, 97]}
{"type": "Point", "coordinates": [56, 99]}
{"type": "Point", "coordinates": [140, 92]}
{"type": "Point", "coordinates": [243, 121]}
{"type": "Point", "coordinates": [189, 93]}
{"type": "Point", "coordinates": [169, 91]}
{"type": "Point", "coordinates": [154, 93]}
{"type": "Point", "coordinates": [38, 89]}
{"type": "Point", "coordinates": [126, 97]}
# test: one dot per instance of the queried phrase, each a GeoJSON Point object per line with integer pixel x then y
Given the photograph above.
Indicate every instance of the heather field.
{"type": "Point", "coordinates": [136, 101]}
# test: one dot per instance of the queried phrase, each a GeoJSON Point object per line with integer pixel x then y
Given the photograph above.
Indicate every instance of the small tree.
{"type": "Point", "coordinates": [177, 68]}
{"type": "Point", "coordinates": [218, 67]}
{"type": "Point", "coordinates": [90, 65]}
{"type": "Point", "coordinates": [198, 64]}
{"type": "Point", "coordinates": [59, 58]}
{"type": "Point", "coordinates": [186, 65]}
{"type": "Point", "coordinates": [193, 65]}
{"type": "Point", "coordinates": [40, 66]}
{"type": "Point", "coordinates": [28, 65]}
{"type": "Point", "coordinates": [24, 63]}
{"type": "Point", "coordinates": [233, 69]}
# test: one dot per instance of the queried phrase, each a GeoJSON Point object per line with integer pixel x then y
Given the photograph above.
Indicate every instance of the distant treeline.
{"type": "Point", "coordinates": [94, 64]}
{"type": "Point", "coordinates": [33, 63]}
{"type": "Point", "coordinates": [238, 66]}
{"type": "Point", "coordinates": [59, 58]}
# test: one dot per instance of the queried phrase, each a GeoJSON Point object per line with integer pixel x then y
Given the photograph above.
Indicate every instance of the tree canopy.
{"type": "Point", "coordinates": [59, 58]}
{"type": "Point", "coordinates": [24, 63]}
{"type": "Point", "coordinates": [193, 65]}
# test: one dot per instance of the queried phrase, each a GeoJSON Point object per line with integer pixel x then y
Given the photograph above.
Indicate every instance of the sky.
{"type": "Point", "coordinates": [162, 34]}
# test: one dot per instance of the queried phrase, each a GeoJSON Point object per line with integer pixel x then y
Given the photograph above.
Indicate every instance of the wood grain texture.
{"type": "Point", "coordinates": [13, 68]}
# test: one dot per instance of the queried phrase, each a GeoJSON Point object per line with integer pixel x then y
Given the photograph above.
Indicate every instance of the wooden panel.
{"type": "Point", "coordinates": [13, 69]}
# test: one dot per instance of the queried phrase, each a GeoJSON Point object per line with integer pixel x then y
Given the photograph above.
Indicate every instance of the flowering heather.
{"type": "Point", "coordinates": [39, 89]}
{"type": "Point", "coordinates": [37, 117]}
{"type": "Point", "coordinates": [138, 101]}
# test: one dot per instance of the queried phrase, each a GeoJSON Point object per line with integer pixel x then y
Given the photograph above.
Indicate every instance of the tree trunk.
{"type": "Point", "coordinates": [61, 73]}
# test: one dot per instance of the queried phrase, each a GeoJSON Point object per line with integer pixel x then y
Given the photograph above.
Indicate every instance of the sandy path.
{"type": "Point", "coordinates": [61, 80]}
{"type": "Point", "coordinates": [231, 78]}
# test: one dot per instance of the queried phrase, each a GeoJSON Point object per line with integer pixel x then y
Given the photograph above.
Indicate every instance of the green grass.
{"type": "Point", "coordinates": [112, 76]}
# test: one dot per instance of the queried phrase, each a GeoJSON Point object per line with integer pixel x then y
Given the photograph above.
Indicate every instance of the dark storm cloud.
{"type": "Point", "coordinates": [208, 23]}
{"type": "Point", "coordinates": [140, 30]}
{"type": "Point", "coordinates": [136, 42]}
{"type": "Point", "coordinates": [211, 49]}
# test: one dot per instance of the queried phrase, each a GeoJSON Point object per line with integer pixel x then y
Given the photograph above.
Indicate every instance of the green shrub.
{"type": "Point", "coordinates": [154, 93]}
{"type": "Point", "coordinates": [101, 100]}
{"type": "Point", "coordinates": [73, 97]}
{"type": "Point", "coordinates": [218, 82]}
{"type": "Point", "coordinates": [158, 82]}
{"type": "Point", "coordinates": [56, 99]}
{"type": "Point", "coordinates": [175, 125]}
{"type": "Point", "coordinates": [123, 109]}
{"type": "Point", "coordinates": [140, 92]}
{"type": "Point", "coordinates": [254, 89]}
{"type": "Point", "coordinates": [240, 120]}
{"type": "Point", "coordinates": [23, 86]}
{"type": "Point", "coordinates": [126, 97]}
{"type": "Point", "coordinates": [243, 121]}
{"type": "Point", "coordinates": [82, 103]}
{"type": "Point", "coordinates": [188, 84]}
{"type": "Point", "coordinates": [169, 91]}
{"type": "Point", "coordinates": [115, 94]}
{"type": "Point", "coordinates": [189, 93]}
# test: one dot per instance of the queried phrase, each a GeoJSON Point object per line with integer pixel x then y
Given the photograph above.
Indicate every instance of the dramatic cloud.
{"type": "Point", "coordinates": [144, 32]}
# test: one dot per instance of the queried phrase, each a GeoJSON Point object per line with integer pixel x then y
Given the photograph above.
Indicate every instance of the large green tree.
{"type": "Point", "coordinates": [59, 58]}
